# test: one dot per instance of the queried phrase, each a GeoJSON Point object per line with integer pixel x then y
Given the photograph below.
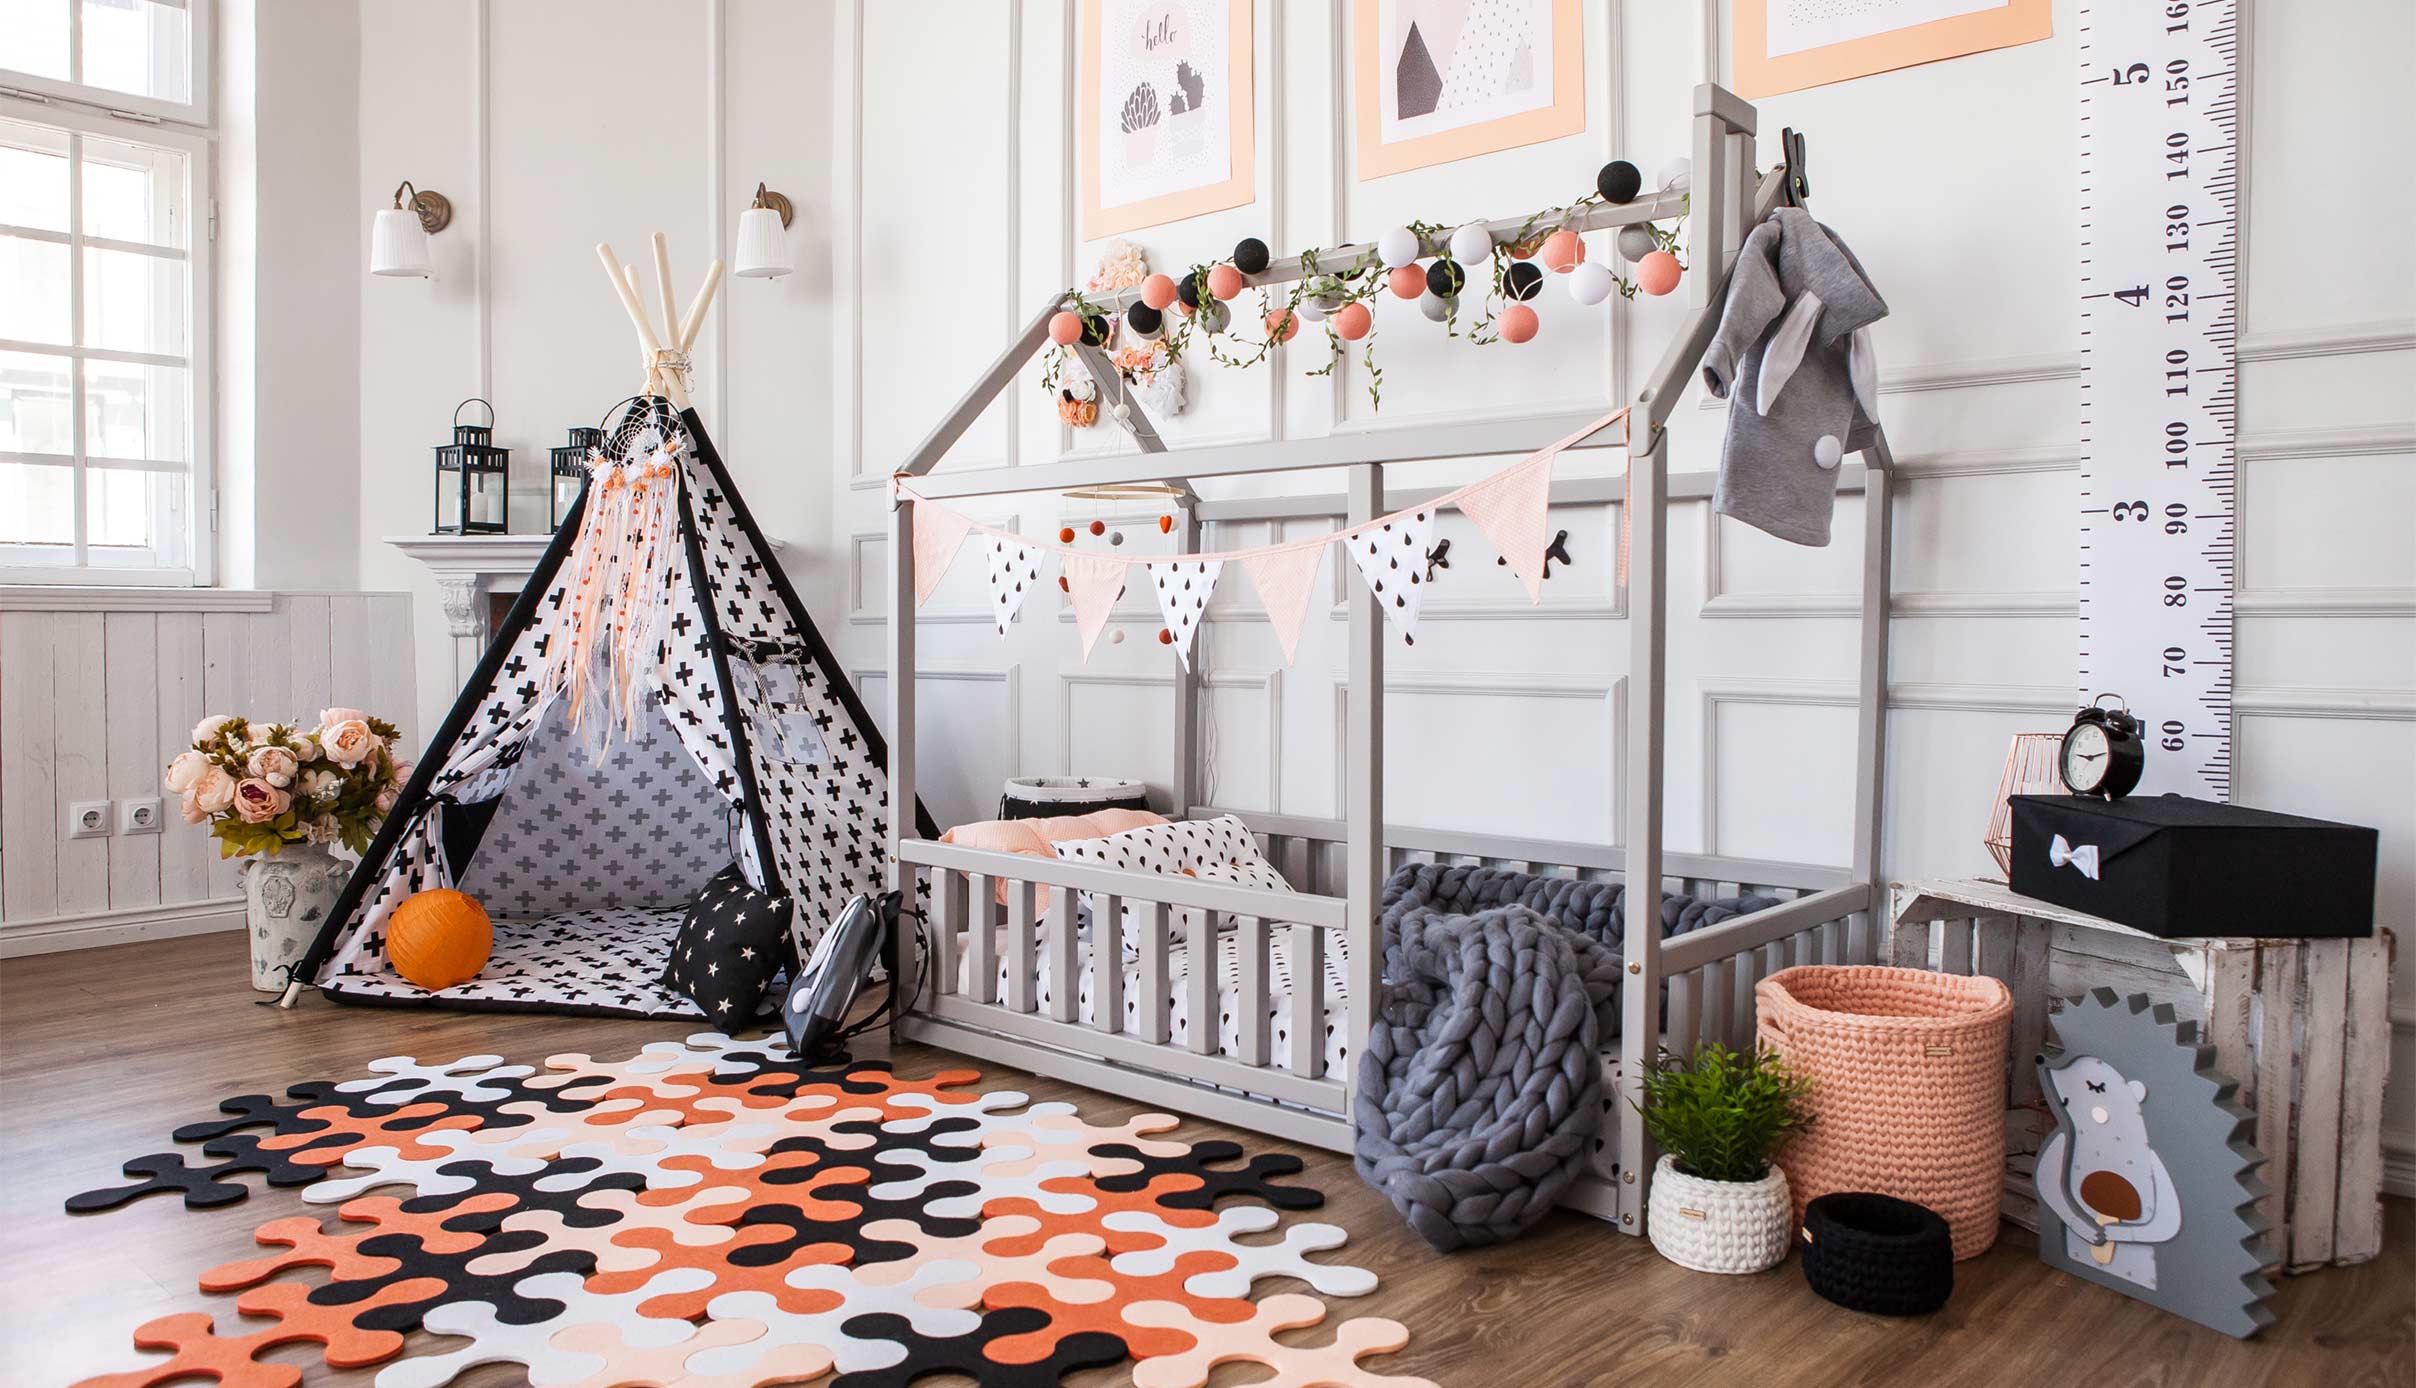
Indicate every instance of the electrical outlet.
{"type": "Point", "coordinates": [138, 816]}
{"type": "Point", "coordinates": [88, 819]}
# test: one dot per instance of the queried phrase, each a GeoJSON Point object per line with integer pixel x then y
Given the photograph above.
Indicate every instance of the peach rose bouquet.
{"type": "Point", "coordinates": [261, 786]}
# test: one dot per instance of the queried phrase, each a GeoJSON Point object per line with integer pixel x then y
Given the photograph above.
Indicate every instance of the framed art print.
{"type": "Point", "coordinates": [1165, 110]}
{"type": "Point", "coordinates": [1438, 80]}
{"type": "Point", "coordinates": [1788, 45]}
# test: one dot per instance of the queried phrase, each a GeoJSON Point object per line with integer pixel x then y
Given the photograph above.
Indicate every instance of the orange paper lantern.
{"type": "Point", "coordinates": [438, 938]}
{"type": "Point", "coordinates": [1657, 273]}
{"type": "Point", "coordinates": [1564, 250]}
{"type": "Point", "coordinates": [1407, 281]}
{"type": "Point", "coordinates": [1354, 320]}
{"type": "Point", "coordinates": [1224, 282]}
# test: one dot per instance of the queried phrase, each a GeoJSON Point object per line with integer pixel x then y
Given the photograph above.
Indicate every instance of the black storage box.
{"type": "Point", "coordinates": [2174, 866]}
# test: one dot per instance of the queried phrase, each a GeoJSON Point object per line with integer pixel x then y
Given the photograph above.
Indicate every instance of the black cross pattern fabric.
{"type": "Point", "coordinates": [732, 942]}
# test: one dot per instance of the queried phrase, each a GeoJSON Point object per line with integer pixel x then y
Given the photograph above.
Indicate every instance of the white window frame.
{"type": "Point", "coordinates": [201, 497]}
{"type": "Point", "coordinates": [201, 32]}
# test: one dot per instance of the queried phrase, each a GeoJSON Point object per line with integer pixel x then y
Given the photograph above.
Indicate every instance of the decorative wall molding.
{"type": "Point", "coordinates": [1611, 693]}
{"type": "Point", "coordinates": [2000, 462]}
{"type": "Point", "coordinates": [2329, 441]}
{"type": "Point", "coordinates": [1009, 679]}
{"type": "Point", "coordinates": [94, 929]}
{"type": "Point", "coordinates": [2308, 701]}
{"type": "Point", "coordinates": [2324, 602]}
{"type": "Point", "coordinates": [43, 597]}
{"type": "Point", "coordinates": [1266, 682]}
{"type": "Point", "coordinates": [2341, 340]}
{"type": "Point", "coordinates": [1937, 696]}
{"type": "Point", "coordinates": [1740, 690]}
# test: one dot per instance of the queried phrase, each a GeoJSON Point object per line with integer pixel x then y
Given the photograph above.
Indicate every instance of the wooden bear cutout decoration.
{"type": "Point", "coordinates": [2148, 1183]}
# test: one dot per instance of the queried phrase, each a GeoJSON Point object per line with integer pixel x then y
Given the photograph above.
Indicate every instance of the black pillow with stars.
{"type": "Point", "coordinates": [732, 942]}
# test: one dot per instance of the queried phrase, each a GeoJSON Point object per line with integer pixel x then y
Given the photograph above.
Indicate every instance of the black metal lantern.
{"type": "Point", "coordinates": [569, 470]}
{"type": "Point", "coordinates": [473, 478]}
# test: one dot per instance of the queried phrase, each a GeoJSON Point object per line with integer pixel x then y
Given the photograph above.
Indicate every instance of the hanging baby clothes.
{"type": "Point", "coordinates": [1794, 343]}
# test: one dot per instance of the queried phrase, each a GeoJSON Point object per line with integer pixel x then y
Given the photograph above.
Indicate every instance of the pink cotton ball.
{"type": "Point", "coordinates": [1224, 282]}
{"type": "Point", "coordinates": [1518, 323]}
{"type": "Point", "coordinates": [1065, 327]}
{"type": "Point", "coordinates": [1564, 250]}
{"type": "Point", "coordinates": [1657, 273]}
{"type": "Point", "coordinates": [1406, 281]}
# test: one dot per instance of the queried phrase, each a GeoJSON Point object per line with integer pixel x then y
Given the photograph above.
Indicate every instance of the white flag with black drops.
{"type": "Point", "coordinates": [1392, 558]}
{"type": "Point", "coordinates": [1014, 573]}
{"type": "Point", "coordinates": [1183, 587]}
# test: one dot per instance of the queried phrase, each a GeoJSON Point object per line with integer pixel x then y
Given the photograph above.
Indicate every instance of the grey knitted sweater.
{"type": "Point", "coordinates": [1794, 346]}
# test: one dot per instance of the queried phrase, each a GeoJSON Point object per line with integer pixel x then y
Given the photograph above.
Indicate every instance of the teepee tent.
{"type": "Point", "coordinates": [657, 706]}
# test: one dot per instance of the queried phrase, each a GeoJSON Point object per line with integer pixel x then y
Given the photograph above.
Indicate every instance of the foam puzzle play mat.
{"type": "Point", "coordinates": [713, 1214]}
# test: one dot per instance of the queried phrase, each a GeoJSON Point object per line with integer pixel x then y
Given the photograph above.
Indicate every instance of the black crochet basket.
{"type": "Point", "coordinates": [1877, 1253]}
{"type": "Point", "coordinates": [1036, 797]}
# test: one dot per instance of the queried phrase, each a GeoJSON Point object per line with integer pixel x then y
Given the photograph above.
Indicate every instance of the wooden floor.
{"type": "Point", "coordinates": [102, 1052]}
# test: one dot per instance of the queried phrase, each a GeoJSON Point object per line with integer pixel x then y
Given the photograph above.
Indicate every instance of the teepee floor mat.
{"type": "Point", "coordinates": [604, 960]}
{"type": "Point", "coordinates": [714, 1211]}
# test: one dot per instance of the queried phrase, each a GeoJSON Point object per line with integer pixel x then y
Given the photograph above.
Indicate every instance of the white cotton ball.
{"type": "Point", "coordinates": [1471, 244]}
{"type": "Point", "coordinates": [1827, 451]}
{"type": "Point", "coordinates": [1398, 248]}
{"type": "Point", "coordinates": [1214, 316]}
{"type": "Point", "coordinates": [1121, 411]}
{"type": "Point", "coordinates": [1309, 311]}
{"type": "Point", "coordinates": [1590, 283]}
{"type": "Point", "coordinates": [1435, 309]}
{"type": "Point", "coordinates": [1635, 243]}
{"type": "Point", "coordinates": [1677, 173]}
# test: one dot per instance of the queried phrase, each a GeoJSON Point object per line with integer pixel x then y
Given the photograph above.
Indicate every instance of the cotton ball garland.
{"type": "Point", "coordinates": [1471, 243]}
{"type": "Point", "coordinates": [1224, 282]}
{"type": "Point", "coordinates": [1310, 311]}
{"type": "Point", "coordinates": [1518, 323]}
{"type": "Point", "coordinates": [1619, 181]}
{"type": "Point", "coordinates": [1353, 322]}
{"type": "Point", "coordinates": [1094, 329]}
{"type": "Point", "coordinates": [1657, 273]}
{"type": "Point", "coordinates": [1677, 174]}
{"type": "Point", "coordinates": [1158, 291]}
{"type": "Point", "coordinates": [1065, 327]}
{"type": "Point", "coordinates": [1435, 307]}
{"type": "Point", "coordinates": [1215, 317]}
{"type": "Point", "coordinates": [1635, 243]}
{"type": "Point", "coordinates": [1282, 325]}
{"type": "Point", "coordinates": [1250, 255]}
{"type": "Point", "coordinates": [1590, 283]}
{"type": "Point", "coordinates": [1564, 250]}
{"type": "Point", "coordinates": [1398, 247]}
{"type": "Point", "coordinates": [1406, 281]}
{"type": "Point", "coordinates": [1144, 322]}
{"type": "Point", "coordinates": [1522, 281]}
{"type": "Point", "coordinates": [1445, 278]}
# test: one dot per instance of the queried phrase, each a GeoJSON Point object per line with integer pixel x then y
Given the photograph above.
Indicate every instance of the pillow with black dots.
{"type": "Point", "coordinates": [1212, 850]}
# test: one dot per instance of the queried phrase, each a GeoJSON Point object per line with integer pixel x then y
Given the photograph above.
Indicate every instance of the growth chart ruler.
{"type": "Point", "coordinates": [2159, 110]}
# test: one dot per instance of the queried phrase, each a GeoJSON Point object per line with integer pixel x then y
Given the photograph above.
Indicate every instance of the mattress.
{"type": "Point", "coordinates": [605, 960]}
{"type": "Point", "coordinates": [1178, 1007]}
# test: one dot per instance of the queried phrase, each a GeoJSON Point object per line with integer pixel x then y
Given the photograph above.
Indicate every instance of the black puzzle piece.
{"type": "Point", "coordinates": [203, 1187]}
{"type": "Point", "coordinates": [963, 1354]}
{"type": "Point", "coordinates": [1254, 1179]}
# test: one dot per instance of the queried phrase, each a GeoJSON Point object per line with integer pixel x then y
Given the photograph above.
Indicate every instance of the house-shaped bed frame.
{"type": "Point", "coordinates": [1827, 915]}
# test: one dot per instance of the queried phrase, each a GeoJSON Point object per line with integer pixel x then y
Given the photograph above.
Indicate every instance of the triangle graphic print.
{"type": "Point", "coordinates": [1392, 558]}
{"type": "Point", "coordinates": [1093, 583]}
{"type": "Point", "coordinates": [1014, 573]}
{"type": "Point", "coordinates": [938, 534]}
{"type": "Point", "coordinates": [1284, 579]}
{"type": "Point", "coordinates": [1183, 588]}
{"type": "Point", "coordinates": [1509, 509]}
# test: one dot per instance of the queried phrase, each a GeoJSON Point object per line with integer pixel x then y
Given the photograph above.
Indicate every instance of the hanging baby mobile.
{"type": "Point", "coordinates": [1436, 267]}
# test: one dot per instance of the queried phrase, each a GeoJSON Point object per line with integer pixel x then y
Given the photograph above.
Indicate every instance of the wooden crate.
{"type": "Point", "coordinates": [2302, 1025]}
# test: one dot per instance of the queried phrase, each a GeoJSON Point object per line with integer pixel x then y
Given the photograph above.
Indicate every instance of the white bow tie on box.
{"type": "Point", "coordinates": [2062, 854]}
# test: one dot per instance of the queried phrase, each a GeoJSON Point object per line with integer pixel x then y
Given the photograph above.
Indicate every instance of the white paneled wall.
{"type": "Point", "coordinates": [1503, 715]}
{"type": "Point", "coordinates": [94, 703]}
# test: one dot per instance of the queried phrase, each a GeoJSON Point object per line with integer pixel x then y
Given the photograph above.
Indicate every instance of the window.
{"type": "Point", "coordinates": [104, 296]}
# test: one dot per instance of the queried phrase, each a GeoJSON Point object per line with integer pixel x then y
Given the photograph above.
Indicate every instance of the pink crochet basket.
{"type": "Point", "coordinates": [1908, 1087]}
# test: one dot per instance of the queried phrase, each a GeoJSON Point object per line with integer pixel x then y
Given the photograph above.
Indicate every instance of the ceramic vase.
{"type": "Point", "coordinates": [1719, 1226]}
{"type": "Point", "coordinates": [286, 898]}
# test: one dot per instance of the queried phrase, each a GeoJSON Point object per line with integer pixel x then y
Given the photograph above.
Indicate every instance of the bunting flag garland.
{"type": "Point", "coordinates": [938, 534]}
{"type": "Point", "coordinates": [1093, 582]}
{"type": "Point", "coordinates": [1183, 588]}
{"type": "Point", "coordinates": [1014, 572]}
{"type": "Point", "coordinates": [1284, 579]}
{"type": "Point", "coordinates": [1391, 556]}
{"type": "Point", "coordinates": [1508, 510]}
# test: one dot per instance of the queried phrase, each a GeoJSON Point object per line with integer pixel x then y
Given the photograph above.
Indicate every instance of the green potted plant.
{"type": "Point", "coordinates": [1718, 1203]}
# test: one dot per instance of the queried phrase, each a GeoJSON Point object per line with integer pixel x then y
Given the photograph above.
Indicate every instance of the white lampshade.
{"type": "Point", "coordinates": [397, 244]}
{"type": "Point", "coordinates": [763, 245]}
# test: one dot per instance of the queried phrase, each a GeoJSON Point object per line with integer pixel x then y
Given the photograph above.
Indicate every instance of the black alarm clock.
{"type": "Point", "coordinates": [2103, 754]}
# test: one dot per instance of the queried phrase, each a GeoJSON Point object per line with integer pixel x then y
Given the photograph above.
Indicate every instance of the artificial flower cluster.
{"type": "Point", "coordinates": [261, 786]}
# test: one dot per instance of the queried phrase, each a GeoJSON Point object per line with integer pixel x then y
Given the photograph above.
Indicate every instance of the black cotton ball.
{"type": "Point", "coordinates": [1618, 181]}
{"type": "Point", "coordinates": [1250, 255]}
{"type": "Point", "coordinates": [1444, 278]}
{"type": "Point", "coordinates": [1187, 291]}
{"type": "Point", "coordinates": [1143, 319]}
{"type": "Point", "coordinates": [1523, 281]}
{"type": "Point", "coordinates": [1094, 329]}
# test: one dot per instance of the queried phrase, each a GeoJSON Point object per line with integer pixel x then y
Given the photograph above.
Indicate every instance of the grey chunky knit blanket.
{"type": "Point", "coordinates": [1480, 1092]}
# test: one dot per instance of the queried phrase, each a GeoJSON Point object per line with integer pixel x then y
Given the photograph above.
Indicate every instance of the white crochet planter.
{"type": "Point", "coordinates": [1719, 1226]}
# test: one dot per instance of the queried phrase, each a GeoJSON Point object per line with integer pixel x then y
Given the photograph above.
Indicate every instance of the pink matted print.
{"type": "Point", "coordinates": [1788, 45]}
{"type": "Point", "coordinates": [1166, 112]}
{"type": "Point", "coordinates": [1439, 80]}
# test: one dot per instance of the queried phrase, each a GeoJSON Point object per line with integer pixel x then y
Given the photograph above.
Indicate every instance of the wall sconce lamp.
{"type": "Point", "coordinates": [763, 248]}
{"type": "Point", "coordinates": [398, 240]}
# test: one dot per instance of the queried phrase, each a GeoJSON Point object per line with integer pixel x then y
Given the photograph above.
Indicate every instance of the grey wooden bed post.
{"type": "Point", "coordinates": [1187, 788]}
{"type": "Point", "coordinates": [1640, 998]}
{"type": "Point", "coordinates": [1364, 859]}
{"type": "Point", "coordinates": [1870, 704]}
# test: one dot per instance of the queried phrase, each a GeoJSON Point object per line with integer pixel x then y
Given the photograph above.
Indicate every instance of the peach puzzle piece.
{"type": "Point", "coordinates": [1253, 1342]}
{"type": "Point", "coordinates": [661, 1366]}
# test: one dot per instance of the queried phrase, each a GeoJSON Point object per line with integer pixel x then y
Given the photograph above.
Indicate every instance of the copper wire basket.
{"type": "Point", "coordinates": [2030, 769]}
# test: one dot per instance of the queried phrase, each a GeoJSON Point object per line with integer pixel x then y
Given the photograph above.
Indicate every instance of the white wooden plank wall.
{"type": "Point", "coordinates": [93, 704]}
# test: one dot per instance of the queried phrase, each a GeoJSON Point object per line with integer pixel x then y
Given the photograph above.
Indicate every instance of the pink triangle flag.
{"type": "Point", "coordinates": [1284, 579]}
{"type": "Point", "coordinates": [1093, 582]}
{"type": "Point", "coordinates": [1509, 508]}
{"type": "Point", "coordinates": [938, 534]}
